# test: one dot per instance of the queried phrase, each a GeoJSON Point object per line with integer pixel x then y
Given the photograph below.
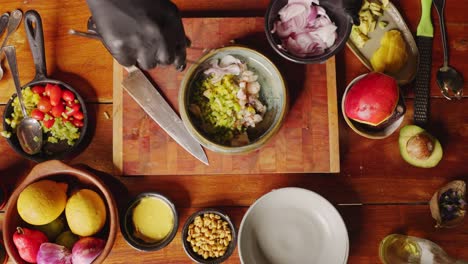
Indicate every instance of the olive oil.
{"type": "Point", "coordinates": [396, 249]}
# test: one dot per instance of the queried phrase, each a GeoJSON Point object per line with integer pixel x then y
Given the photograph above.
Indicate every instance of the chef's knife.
{"type": "Point", "coordinates": [146, 95]}
{"type": "Point", "coordinates": [425, 34]}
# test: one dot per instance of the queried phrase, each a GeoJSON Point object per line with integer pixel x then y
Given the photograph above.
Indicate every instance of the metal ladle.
{"type": "Point", "coordinates": [13, 23]}
{"type": "Point", "coordinates": [448, 79]}
{"type": "Point", "coordinates": [29, 130]}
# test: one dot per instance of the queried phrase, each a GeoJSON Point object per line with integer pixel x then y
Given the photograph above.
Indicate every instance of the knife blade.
{"type": "Point", "coordinates": [425, 35]}
{"type": "Point", "coordinates": [147, 96]}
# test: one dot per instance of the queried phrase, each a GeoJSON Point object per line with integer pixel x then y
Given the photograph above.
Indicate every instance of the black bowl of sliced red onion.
{"type": "Point", "coordinates": [307, 31]}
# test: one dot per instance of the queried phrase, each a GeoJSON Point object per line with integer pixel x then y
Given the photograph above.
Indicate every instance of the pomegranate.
{"type": "Point", "coordinates": [373, 99]}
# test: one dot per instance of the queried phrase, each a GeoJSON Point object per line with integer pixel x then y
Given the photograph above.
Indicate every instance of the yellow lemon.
{"type": "Point", "coordinates": [42, 202]}
{"type": "Point", "coordinates": [85, 212]}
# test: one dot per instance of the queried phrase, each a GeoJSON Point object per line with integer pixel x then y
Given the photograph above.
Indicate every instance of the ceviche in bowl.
{"type": "Point", "coordinates": [233, 100]}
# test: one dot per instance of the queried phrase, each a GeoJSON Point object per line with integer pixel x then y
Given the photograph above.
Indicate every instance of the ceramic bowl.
{"type": "Point", "coordinates": [337, 14]}
{"type": "Point", "coordinates": [58, 171]}
{"type": "Point", "coordinates": [273, 93]}
{"type": "Point", "coordinates": [292, 225]}
{"type": "Point", "coordinates": [188, 248]}
{"type": "Point", "coordinates": [50, 151]}
{"type": "Point", "coordinates": [362, 129]}
{"type": "Point", "coordinates": [127, 227]}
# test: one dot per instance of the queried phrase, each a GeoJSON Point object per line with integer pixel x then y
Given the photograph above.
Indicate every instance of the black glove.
{"type": "Point", "coordinates": [352, 7]}
{"type": "Point", "coordinates": [141, 32]}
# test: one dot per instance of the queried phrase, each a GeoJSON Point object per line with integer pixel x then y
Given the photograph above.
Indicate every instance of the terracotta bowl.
{"type": "Point", "coordinates": [58, 171]}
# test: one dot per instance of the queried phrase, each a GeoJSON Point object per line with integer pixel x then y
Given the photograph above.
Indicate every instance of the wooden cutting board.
{"type": "Point", "coordinates": [307, 142]}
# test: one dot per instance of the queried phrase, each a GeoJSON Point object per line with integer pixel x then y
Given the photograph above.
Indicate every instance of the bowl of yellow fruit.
{"type": "Point", "coordinates": [60, 214]}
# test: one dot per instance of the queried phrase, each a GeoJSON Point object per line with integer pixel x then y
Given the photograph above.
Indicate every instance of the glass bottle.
{"type": "Point", "coordinates": [401, 249]}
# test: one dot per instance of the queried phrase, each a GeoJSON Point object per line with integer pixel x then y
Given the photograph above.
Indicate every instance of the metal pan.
{"type": "Point", "coordinates": [60, 150]}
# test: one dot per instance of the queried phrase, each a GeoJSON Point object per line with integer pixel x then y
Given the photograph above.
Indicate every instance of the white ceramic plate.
{"type": "Point", "coordinates": [395, 21]}
{"type": "Point", "coordinates": [292, 225]}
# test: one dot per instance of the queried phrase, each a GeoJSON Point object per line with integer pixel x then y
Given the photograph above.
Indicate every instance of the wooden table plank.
{"type": "Point", "coordinates": [367, 226]}
{"type": "Point", "coordinates": [371, 171]}
{"type": "Point", "coordinates": [82, 63]}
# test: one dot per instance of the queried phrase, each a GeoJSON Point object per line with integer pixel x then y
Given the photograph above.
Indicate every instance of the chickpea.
{"type": "Point", "coordinates": [209, 236]}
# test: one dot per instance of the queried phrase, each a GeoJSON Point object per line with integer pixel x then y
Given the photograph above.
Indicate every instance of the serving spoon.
{"type": "Point", "coordinates": [13, 23]}
{"type": "Point", "coordinates": [450, 81]}
{"type": "Point", "coordinates": [29, 130]}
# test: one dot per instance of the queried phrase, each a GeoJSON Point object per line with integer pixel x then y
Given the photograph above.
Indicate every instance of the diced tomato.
{"type": "Point", "coordinates": [70, 110]}
{"type": "Point", "coordinates": [55, 94]}
{"type": "Point", "coordinates": [78, 115]}
{"type": "Point", "coordinates": [44, 105]}
{"type": "Point", "coordinates": [57, 110]}
{"type": "Point", "coordinates": [68, 96]}
{"type": "Point", "coordinates": [47, 89]}
{"type": "Point", "coordinates": [38, 89]}
{"type": "Point", "coordinates": [77, 123]}
{"type": "Point", "coordinates": [49, 122]}
{"type": "Point", "coordinates": [37, 114]}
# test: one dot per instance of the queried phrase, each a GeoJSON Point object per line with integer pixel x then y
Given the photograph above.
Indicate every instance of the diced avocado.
{"type": "Point", "coordinates": [365, 5]}
{"type": "Point", "coordinates": [365, 15]}
{"type": "Point", "coordinates": [377, 13]}
{"type": "Point", "coordinates": [385, 3]}
{"type": "Point", "coordinates": [383, 24]}
{"type": "Point", "coordinates": [364, 27]}
{"type": "Point", "coordinates": [5, 134]}
{"type": "Point", "coordinates": [375, 5]}
{"type": "Point", "coordinates": [358, 38]}
{"type": "Point", "coordinates": [419, 148]}
{"type": "Point", "coordinates": [372, 25]}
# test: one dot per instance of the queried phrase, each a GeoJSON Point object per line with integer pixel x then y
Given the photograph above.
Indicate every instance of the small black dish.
{"type": "Point", "coordinates": [337, 14]}
{"type": "Point", "coordinates": [188, 248]}
{"type": "Point", "coordinates": [50, 151]}
{"type": "Point", "coordinates": [127, 227]}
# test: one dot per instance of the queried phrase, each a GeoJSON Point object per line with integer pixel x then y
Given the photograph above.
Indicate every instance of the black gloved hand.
{"type": "Point", "coordinates": [141, 32]}
{"type": "Point", "coordinates": [353, 7]}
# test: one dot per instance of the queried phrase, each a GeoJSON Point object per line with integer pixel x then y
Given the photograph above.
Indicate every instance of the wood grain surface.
{"type": "Point", "coordinates": [372, 171]}
{"type": "Point", "coordinates": [307, 141]}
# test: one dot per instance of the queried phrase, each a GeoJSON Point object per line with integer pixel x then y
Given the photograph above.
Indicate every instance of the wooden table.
{"type": "Point", "coordinates": [372, 171]}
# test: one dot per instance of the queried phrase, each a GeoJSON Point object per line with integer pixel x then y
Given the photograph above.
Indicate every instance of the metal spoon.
{"type": "Point", "coordinates": [29, 131]}
{"type": "Point", "coordinates": [4, 22]}
{"type": "Point", "coordinates": [448, 79]}
{"type": "Point", "coordinates": [13, 24]}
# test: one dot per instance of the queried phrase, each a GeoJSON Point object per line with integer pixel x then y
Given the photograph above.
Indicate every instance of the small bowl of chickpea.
{"type": "Point", "coordinates": [209, 236]}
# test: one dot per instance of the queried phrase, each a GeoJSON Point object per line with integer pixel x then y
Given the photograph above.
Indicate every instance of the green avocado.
{"type": "Point", "coordinates": [419, 148]}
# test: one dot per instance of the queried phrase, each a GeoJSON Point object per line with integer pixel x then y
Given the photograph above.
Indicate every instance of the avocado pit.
{"type": "Point", "coordinates": [420, 146]}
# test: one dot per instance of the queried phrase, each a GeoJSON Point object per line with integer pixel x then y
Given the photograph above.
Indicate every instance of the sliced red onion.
{"type": "Point", "coordinates": [50, 253]}
{"type": "Point", "coordinates": [305, 29]}
{"type": "Point", "coordinates": [87, 249]}
{"type": "Point", "coordinates": [227, 65]}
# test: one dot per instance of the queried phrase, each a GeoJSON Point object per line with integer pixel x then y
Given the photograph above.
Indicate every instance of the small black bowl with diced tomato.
{"type": "Point", "coordinates": [61, 112]}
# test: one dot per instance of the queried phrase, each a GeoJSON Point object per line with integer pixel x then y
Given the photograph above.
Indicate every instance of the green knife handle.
{"type": "Point", "coordinates": [425, 24]}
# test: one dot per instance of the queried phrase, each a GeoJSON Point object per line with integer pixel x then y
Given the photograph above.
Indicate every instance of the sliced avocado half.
{"type": "Point", "coordinates": [419, 148]}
